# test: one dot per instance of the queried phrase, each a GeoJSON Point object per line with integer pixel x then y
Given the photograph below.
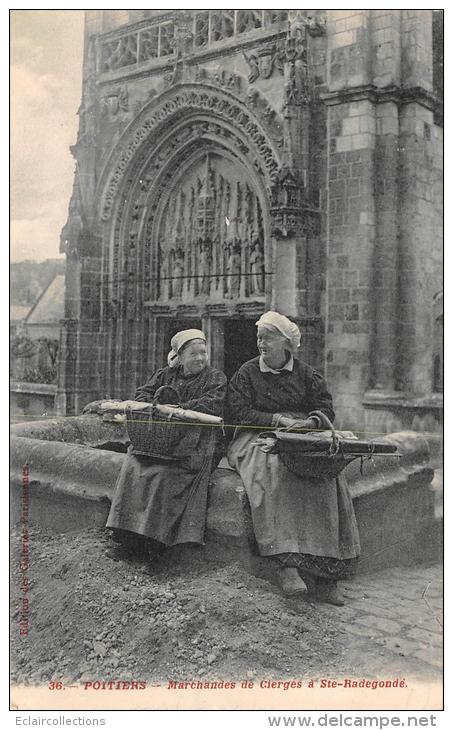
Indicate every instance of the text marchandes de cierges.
{"type": "Point", "coordinates": [280, 684]}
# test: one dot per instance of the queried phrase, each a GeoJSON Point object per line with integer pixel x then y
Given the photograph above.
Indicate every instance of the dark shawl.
{"type": "Point", "coordinates": [168, 501]}
{"type": "Point", "coordinates": [290, 513]}
{"type": "Point", "coordinates": [253, 396]}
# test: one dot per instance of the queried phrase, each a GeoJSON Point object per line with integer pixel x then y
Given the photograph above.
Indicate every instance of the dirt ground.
{"type": "Point", "coordinates": [92, 617]}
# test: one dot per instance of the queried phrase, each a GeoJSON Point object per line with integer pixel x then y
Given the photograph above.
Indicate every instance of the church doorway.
{"type": "Point", "coordinates": [176, 325]}
{"type": "Point", "coordinates": [239, 344]}
{"type": "Point", "coordinates": [231, 341]}
{"type": "Point", "coordinates": [166, 328]}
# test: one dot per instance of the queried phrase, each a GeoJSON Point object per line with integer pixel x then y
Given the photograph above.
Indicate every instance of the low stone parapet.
{"type": "Point", "coordinates": [33, 399]}
{"type": "Point", "coordinates": [74, 463]}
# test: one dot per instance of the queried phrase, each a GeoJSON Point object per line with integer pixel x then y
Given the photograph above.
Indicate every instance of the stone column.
{"type": "Point", "coordinates": [286, 284]}
{"type": "Point", "coordinates": [417, 264]}
{"type": "Point", "coordinates": [82, 244]}
{"type": "Point", "coordinates": [89, 340]}
{"type": "Point", "coordinates": [351, 231]}
{"type": "Point", "coordinates": [214, 331]}
{"type": "Point", "coordinates": [385, 266]}
{"type": "Point", "coordinates": [67, 360]}
{"type": "Point", "coordinates": [385, 35]}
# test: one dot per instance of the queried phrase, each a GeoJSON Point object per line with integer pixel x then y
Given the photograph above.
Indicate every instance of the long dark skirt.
{"type": "Point", "coordinates": [161, 500]}
{"type": "Point", "coordinates": [293, 514]}
{"type": "Point", "coordinates": [318, 565]}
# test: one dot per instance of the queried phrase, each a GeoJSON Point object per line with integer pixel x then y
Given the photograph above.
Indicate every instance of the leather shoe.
{"type": "Point", "coordinates": [327, 592]}
{"type": "Point", "coordinates": [290, 581]}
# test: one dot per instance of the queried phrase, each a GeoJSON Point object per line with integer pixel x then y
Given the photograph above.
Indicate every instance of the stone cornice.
{"type": "Point", "coordinates": [398, 94]}
{"type": "Point", "coordinates": [204, 307]}
{"type": "Point", "coordinates": [22, 386]}
{"type": "Point", "coordinates": [397, 399]}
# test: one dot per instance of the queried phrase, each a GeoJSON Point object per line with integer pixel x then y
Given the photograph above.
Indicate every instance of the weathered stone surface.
{"type": "Point", "coordinates": [342, 100]}
{"type": "Point", "coordinates": [87, 430]}
{"type": "Point", "coordinates": [71, 485]}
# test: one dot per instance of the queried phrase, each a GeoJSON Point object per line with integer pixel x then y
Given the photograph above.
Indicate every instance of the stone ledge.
{"type": "Point", "coordinates": [396, 399]}
{"type": "Point", "coordinates": [378, 94]}
{"type": "Point", "coordinates": [86, 430]}
{"type": "Point", "coordinates": [19, 386]}
{"type": "Point", "coordinates": [71, 486]}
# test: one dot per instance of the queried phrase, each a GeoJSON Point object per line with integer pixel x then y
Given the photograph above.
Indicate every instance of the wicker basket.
{"type": "Point", "coordinates": [326, 453]}
{"type": "Point", "coordinates": [314, 465]}
{"type": "Point", "coordinates": [153, 434]}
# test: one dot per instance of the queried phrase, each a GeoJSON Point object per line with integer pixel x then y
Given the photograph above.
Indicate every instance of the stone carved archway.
{"type": "Point", "coordinates": [261, 146]}
{"type": "Point", "coordinates": [186, 129]}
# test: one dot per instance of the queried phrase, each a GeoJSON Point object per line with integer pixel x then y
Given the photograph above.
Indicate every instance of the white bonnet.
{"type": "Point", "coordinates": [284, 325]}
{"type": "Point", "coordinates": [180, 339]}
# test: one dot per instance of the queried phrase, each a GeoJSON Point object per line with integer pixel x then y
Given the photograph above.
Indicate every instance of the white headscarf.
{"type": "Point", "coordinates": [180, 339]}
{"type": "Point", "coordinates": [284, 325]}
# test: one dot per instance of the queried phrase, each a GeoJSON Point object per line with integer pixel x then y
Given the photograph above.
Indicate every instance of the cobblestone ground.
{"type": "Point", "coordinates": [400, 612]}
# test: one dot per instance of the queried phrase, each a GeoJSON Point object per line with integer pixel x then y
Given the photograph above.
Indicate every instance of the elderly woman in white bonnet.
{"type": "Point", "coordinates": [308, 528]}
{"type": "Point", "coordinates": [159, 503]}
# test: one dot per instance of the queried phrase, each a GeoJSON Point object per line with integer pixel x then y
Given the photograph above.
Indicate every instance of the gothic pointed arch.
{"type": "Point", "coordinates": [185, 204]}
{"type": "Point", "coordinates": [260, 136]}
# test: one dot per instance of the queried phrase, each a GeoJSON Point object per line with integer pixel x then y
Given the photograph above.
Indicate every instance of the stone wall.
{"type": "Point", "coordinates": [73, 468]}
{"type": "Point", "coordinates": [383, 245]}
{"type": "Point", "coordinates": [351, 197]}
{"type": "Point", "coordinates": [32, 399]}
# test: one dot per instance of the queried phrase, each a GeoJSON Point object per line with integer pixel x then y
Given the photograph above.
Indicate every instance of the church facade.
{"type": "Point", "coordinates": [234, 161]}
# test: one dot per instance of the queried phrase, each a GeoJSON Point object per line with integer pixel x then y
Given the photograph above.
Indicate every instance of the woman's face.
{"type": "Point", "coordinates": [193, 357]}
{"type": "Point", "coordinates": [272, 345]}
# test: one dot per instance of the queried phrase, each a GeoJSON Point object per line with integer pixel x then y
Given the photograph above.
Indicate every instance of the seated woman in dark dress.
{"type": "Point", "coordinates": [164, 503]}
{"type": "Point", "coordinates": [308, 526]}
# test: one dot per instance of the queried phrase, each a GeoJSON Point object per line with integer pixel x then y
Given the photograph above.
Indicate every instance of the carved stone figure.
{"type": "Point", "coordinates": [204, 267]}
{"type": "Point", "coordinates": [210, 100]}
{"type": "Point", "coordinates": [117, 101]}
{"type": "Point", "coordinates": [178, 272]}
{"type": "Point", "coordinates": [163, 272]}
{"type": "Point", "coordinates": [118, 53]}
{"type": "Point", "coordinates": [263, 61]}
{"type": "Point", "coordinates": [233, 269]}
{"type": "Point", "coordinates": [266, 57]}
{"type": "Point", "coordinates": [252, 62]}
{"type": "Point", "coordinates": [256, 269]}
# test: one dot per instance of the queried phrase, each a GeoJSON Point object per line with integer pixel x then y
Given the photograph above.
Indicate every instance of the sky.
{"type": "Point", "coordinates": [46, 76]}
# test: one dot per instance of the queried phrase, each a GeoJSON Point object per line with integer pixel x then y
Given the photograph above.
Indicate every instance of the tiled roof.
{"type": "Point", "coordinates": [49, 308]}
{"type": "Point", "coordinates": [17, 312]}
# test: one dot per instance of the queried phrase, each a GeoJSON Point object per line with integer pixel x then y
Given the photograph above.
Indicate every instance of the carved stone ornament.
{"type": "Point", "coordinates": [222, 106]}
{"type": "Point", "coordinates": [315, 26]}
{"type": "Point", "coordinates": [182, 44]}
{"type": "Point", "coordinates": [297, 90]}
{"type": "Point", "coordinates": [263, 61]}
{"type": "Point", "coordinates": [116, 101]}
{"type": "Point", "coordinates": [72, 231]}
{"type": "Point", "coordinates": [286, 205]}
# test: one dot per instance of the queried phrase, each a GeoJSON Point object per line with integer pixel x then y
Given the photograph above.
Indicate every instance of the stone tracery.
{"type": "Point", "coordinates": [210, 224]}
{"type": "Point", "coordinates": [175, 182]}
{"type": "Point", "coordinates": [198, 99]}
